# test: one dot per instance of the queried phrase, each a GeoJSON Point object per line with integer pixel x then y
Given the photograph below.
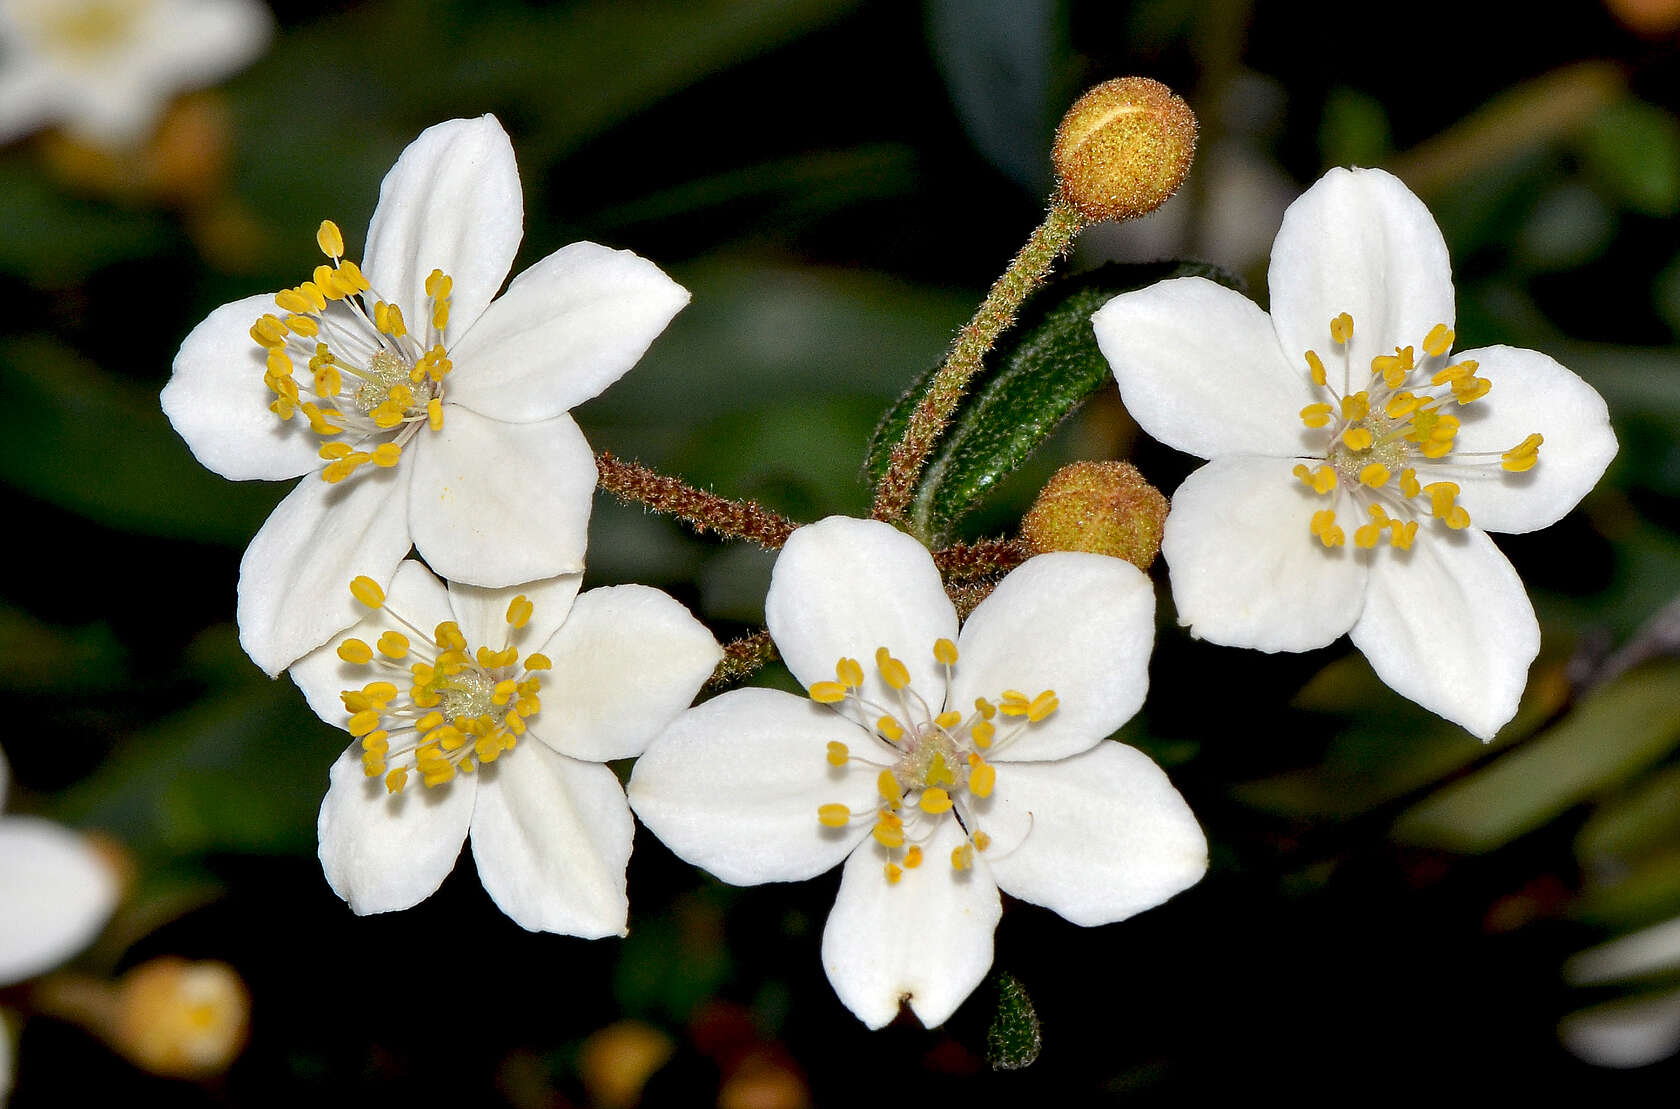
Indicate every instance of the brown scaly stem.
{"type": "Point", "coordinates": [996, 313]}
{"type": "Point", "coordinates": [742, 658]}
{"type": "Point", "coordinates": [981, 557]}
{"type": "Point", "coordinates": [631, 482]}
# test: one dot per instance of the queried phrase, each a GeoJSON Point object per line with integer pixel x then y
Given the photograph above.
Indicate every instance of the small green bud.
{"type": "Point", "coordinates": [1102, 507]}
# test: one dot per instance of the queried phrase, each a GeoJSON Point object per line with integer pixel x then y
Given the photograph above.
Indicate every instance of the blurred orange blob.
{"type": "Point", "coordinates": [180, 1019]}
{"type": "Point", "coordinates": [183, 164]}
{"type": "Point", "coordinates": [617, 1061]}
{"type": "Point", "coordinates": [1646, 17]}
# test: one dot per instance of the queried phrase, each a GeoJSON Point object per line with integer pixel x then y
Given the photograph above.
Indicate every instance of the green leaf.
{"type": "Point", "coordinates": [98, 446]}
{"type": "Point", "coordinates": [1612, 735]}
{"type": "Point", "coordinates": [1641, 895]}
{"type": "Point", "coordinates": [1634, 148]}
{"type": "Point", "coordinates": [1014, 1039]}
{"type": "Point", "coordinates": [1648, 816]}
{"type": "Point", "coordinates": [1354, 130]}
{"type": "Point", "coordinates": [55, 239]}
{"type": "Point", "coordinates": [1040, 373]}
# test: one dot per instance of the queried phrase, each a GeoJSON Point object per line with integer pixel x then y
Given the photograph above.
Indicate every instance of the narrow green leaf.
{"type": "Point", "coordinates": [1613, 734]}
{"type": "Point", "coordinates": [1015, 1038]}
{"type": "Point", "coordinates": [1647, 817]}
{"type": "Point", "coordinates": [1645, 894]}
{"type": "Point", "coordinates": [1634, 148]}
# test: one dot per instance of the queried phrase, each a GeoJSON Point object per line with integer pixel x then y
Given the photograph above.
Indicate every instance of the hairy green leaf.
{"type": "Point", "coordinates": [1015, 1038]}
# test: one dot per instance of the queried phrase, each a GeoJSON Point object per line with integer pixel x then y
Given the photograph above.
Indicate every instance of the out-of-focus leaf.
{"type": "Point", "coordinates": [1665, 292]}
{"type": "Point", "coordinates": [1014, 1039]}
{"type": "Point", "coordinates": [101, 447]}
{"type": "Point", "coordinates": [1040, 373]}
{"type": "Point", "coordinates": [37, 657]}
{"type": "Point", "coordinates": [999, 59]}
{"type": "Point", "coordinates": [1354, 130]}
{"type": "Point", "coordinates": [1634, 148]}
{"type": "Point", "coordinates": [1633, 898]}
{"type": "Point", "coordinates": [53, 239]}
{"type": "Point", "coordinates": [1569, 227]}
{"type": "Point", "coordinates": [1648, 816]}
{"type": "Point", "coordinates": [672, 961]}
{"type": "Point", "coordinates": [1614, 733]}
{"type": "Point", "coordinates": [241, 772]}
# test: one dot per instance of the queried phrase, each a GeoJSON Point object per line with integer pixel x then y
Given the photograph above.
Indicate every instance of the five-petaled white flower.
{"type": "Point", "coordinates": [1346, 399]}
{"type": "Point", "coordinates": [55, 893]}
{"type": "Point", "coordinates": [501, 706]}
{"type": "Point", "coordinates": [948, 767]}
{"type": "Point", "coordinates": [104, 69]}
{"type": "Point", "coordinates": [429, 415]}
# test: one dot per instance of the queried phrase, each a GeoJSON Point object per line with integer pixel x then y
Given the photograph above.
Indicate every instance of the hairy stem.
{"type": "Point", "coordinates": [981, 558]}
{"type": "Point", "coordinates": [632, 482]}
{"type": "Point", "coordinates": [742, 658]}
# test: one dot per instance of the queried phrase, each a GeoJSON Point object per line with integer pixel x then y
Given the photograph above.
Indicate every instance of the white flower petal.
{"type": "Point", "coordinates": [218, 403]}
{"type": "Point", "coordinates": [842, 588]}
{"type": "Point", "coordinates": [1245, 570]}
{"type": "Point", "coordinates": [1531, 393]}
{"type": "Point", "coordinates": [1200, 369]}
{"type": "Point", "coordinates": [551, 837]}
{"type": "Point", "coordinates": [452, 202]}
{"type": "Point", "coordinates": [497, 504]}
{"type": "Point", "coordinates": [626, 662]}
{"type": "Point", "coordinates": [566, 328]}
{"type": "Point", "coordinates": [28, 97]}
{"type": "Point", "coordinates": [734, 785]}
{"type": "Point", "coordinates": [205, 40]}
{"type": "Point", "coordinates": [294, 581]}
{"type": "Point", "coordinates": [482, 613]}
{"type": "Point", "coordinates": [415, 595]}
{"type": "Point", "coordinates": [1359, 242]}
{"type": "Point", "coordinates": [55, 896]}
{"type": "Point", "coordinates": [1449, 625]}
{"type": "Point", "coordinates": [1079, 624]}
{"type": "Point", "coordinates": [386, 851]}
{"type": "Point", "coordinates": [1631, 1032]}
{"type": "Point", "coordinates": [1107, 836]}
{"type": "Point", "coordinates": [926, 939]}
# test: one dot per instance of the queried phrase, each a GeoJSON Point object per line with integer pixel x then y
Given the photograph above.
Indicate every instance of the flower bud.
{"type": "Point", "coordinates": [180, 1019]}
{"type": "Point", "coordinates": [1102, 507]}
{"type": "Point", "coordinates": [1123, 149]}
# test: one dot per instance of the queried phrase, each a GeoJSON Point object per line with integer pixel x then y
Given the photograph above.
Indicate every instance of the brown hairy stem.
{"type": "Point", "coordinates": [981, 558]}
{"type": "Point", "coordinates": [631, 482]}
{"type": "Point", "coordinates": [742, 658]}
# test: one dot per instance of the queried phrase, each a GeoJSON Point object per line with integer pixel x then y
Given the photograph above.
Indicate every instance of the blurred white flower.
{"type": "Point", "coordinates": [1632, 1031]}
{"type": "Point", "coordinates": [450, 686]}
{"type": "Point", "coordinates": [105, 69]}
{"type": "Point", "coordinates": [957, 765]}
{"type": "Point", "coordinates": [1386, 424]}
{"type": "Point", "coordinates": [428, 416]}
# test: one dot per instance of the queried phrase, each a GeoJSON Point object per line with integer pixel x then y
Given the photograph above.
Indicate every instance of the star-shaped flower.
{"type": "Point", "coordinates": [1347, 406]}
{"type": "Point", "coordinates": [952, 765]}
{"type": "Point", "coordinates": [104, 69]}
{"type": "Point", "coordinates": [55, 894]}
{"type": "Point", "coordinates": [429, 414]}
{"type": "Point", "coordinates": [492, 711]}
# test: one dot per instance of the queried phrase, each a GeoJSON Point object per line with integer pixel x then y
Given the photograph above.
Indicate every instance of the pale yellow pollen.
{"type": "Point", "coordinates": [1357, 406]}
{"type": "Point", "coordinates": [890, 728]}
{"type": "Point", "coordinates": [948, 719]}
{"type": "Point", "coordinates": [888, 786]}
{"type": "Point", "coordinates": [1409, 483]}
{"type": "Point", "coordinates": [1341, 328]}
{"type": "Point", "coordinates": [982, 734]}
{"type": "Point", "coordinates": [893, 873]}
{"type": "Point", "coordinates": [962, 858]}
{"type": "Point", "coordinates": [834, 816]}
{"type": "Point", "coordinates": [850, 673]}
{"type": "Point", "coordinates": [1042, 706]}
{"type": "Point", "coordinates": [1374, 475]}
{"type": "Point", "coordinates": [913, 857]}
{"type": "Point", "coordinates": [981, 840]}
{"type": "Point", "coordinates": [519, 611]}
{"type": "Point", "coordinates": [330, 239]}
{"type": "Point", "coordinates": [1321, 481]}
{"type": "Point", "coordinates": [538, 662]}
{"type": "Point", "coordinates": [1358, 438]}
{"type": "Point", "coordinates": [828, 693]}
{"type": "Point", "coordinates": [434, 414]}
{"type": "Point", "coordinates": [893, 671]}
{"type": "Point", "coordinates": [838, 753]}
{"type": "Point", "coordinates": [1523, 456]}
{"type": "Point", "coordinates": [1315, 367]}
{"type": "Point", "coordinates": [1316, 415]}
{"type": "Point", "coordinates": [1438, 341]}
{"type": "Point", "coordinates": [945, 651]}
{"type": "Point", "coordinates": [355, 652]}
{"type": "Point", "coordinates": [934, 801]}
{"type": "Point", "coordinates": [386, 455]}
{"type": "Point", "coordinates": [981, 779]}
{"type": "Point", "coordinates": [367, 591]}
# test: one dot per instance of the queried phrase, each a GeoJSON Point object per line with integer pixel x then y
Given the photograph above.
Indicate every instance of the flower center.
{"type": "Point", "coordinates": [337, 326]}
{"type": "Point", "coordinates": [84, 29]}
{"type": "Point", "coordinates": [460, 706]}
{"type": "Point", "coordinates": [937, 761]}
{"type": "Point", "coordinates": [1378, 438]}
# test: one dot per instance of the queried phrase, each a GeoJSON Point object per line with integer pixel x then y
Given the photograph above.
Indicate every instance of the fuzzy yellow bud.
{"type": "Point", "coordinates": [181, 1019]}
{"type": "Point", "coordinates": [1123, 149]}
{"type": "Point", "coordinates": [1101, 507]}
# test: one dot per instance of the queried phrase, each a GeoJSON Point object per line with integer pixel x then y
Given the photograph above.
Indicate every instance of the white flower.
{"type": "Point", "coordinates": [430, 415]}
{"type": "Point", "coordinates": [104, 69]}
{"type": "Point", "coordinates": [55, 894]}
{"type": "Point", "coordinates": [955, 765]}
{"type": "Point", "coordinates": [1345, 406]}
{"type": "Point", "coordinates": [451, 687]}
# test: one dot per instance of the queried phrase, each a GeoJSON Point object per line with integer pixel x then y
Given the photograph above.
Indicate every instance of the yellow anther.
{"type": "Point", "coordinates": [448, 635]}
{"type": "Point", "coordinates": [442, 776]}
{"type": "Point", "coordinates": [838, 753]}
{"type": "Point", "coordinates": [386, 455]}
{"type": "Point", "coordinates": [827, 693]}
{"type": "Point", "coordinates": [1323, 518]}
{"type": "Point", "coordinates": [893, 672]}
{"type": "Point", "coordinates": [332, 452]}
{"type": "Point", "coordinates": [1400, 405]}
{"type": "Point", "coordinates": [440, 315]}
{"type": "Point", "coordinates": [519, 611]}
{"type": "Point", "coordinates": [311, 293]}
{"type": "Point", "coordinates": [1358, 438]}
{"type": "Point", "coordinates": [328, 381]}
{"type": "Point", "coordinates": [1366, 536]}
{"type": "Point", "coordinates": [284, 408]}
{"type": "Point", "coordinates": [1315, 367]}
{"type": "Point", "coordinates": [981, 779]}
{"type": "Point", "coordinates": [1316, 415]}
{"type": "Point", "coordinates": [354, 651]}
{"type": "Point", "coordinates": [1438, 341]}
{"type": "Point", "coordinates": [945, 651]}
{"type": "Point", "coordinates": [292, 301]}
{"type": "Point", "coordinates": [279, 364]}
{"type": "Point", "coordinates": [913, 857]}
{"type": "Point", "coordinates": [1441, 496]}
{"type": "Point", "coordinates": [538, 662]}
{"type": "Point", "coordinates": [379, 694]}
{"type": "Point", "coordinates": [888, 834]}
{"type": "Point", "coordinates": [1523, 456]}
{"type": "Point", "coordinates": [1375, 475]}
{"type": "Point", "coordinates": [1456, 518]}
{"type": "Point", "coordinates": [985, 708]}
{"type": "Point", "coordinates": [367, 591]}
{"type": "Point", "coordinates": [962, 858]}
{"type": "Point", "coordinates": [980, 840]}
{"type": "Point", "coordinates": [1454, 372]}
{"type": "Point", "coordinates": [893, 873]}
{"type": "Point", "coordinates": [887, 785]}
{"type": "Point", "coordinates": [320, 422]}
{"type": "Point", "coordinates": [948, 719]}
{"type": "Point", "coordinates": [364, 722]}
{"type": "Point", "coordinates": [396, 779]}
{"type": "Point", "coordinates": [1320, 481]}
{"type": "Point", "coordinates": [982, 734]}
{"type": "Point", "coordinates": [428, 723]}
{"type": "Point", "coordinates": [1401, 535]}
{"type": "Point", "coordinates": [1357, 406]}
{"type": "Point", "coordinates": [351, 274]}
{"type": "Point", "coordinates": [268, 331]}
{"type": "Point", "coordinates": [378, 741]}
{"type": "Point", "coordinates": [303, 325]}
{"type": "Point", "coordinates": [373, 764]}
{"type": "Point", "coordinates": [330, 239]}
{"type": "Point", "coordinates": [1341, 328]}
{"type": "Point", "coordinates": [1392, 368]}
{"type": "Point", "coordinates": [1042, 705]}
{"type": "Point", "coordinates": [1471, 389]}
{"type": "Point", "coordinates": [388, 415]}
{"type": "Point", "coordinates": [890, 728]}
{"type": "Point", "coordinates": [850, 673]}
{"type": "Point", "coordinates": [434, 414]}
{"type": "Point", "coordinates": [934, 801]}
